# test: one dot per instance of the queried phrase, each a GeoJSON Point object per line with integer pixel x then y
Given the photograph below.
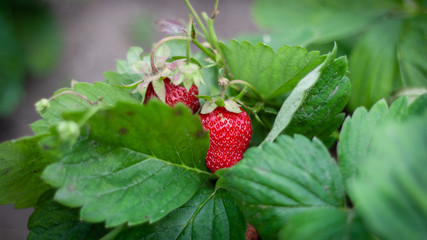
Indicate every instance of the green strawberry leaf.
{"type": "Point", "coordinates": [116, 79]}
{"type": "Point", "coordinates": [419, 106]}
{"type": "Point", "coordinates": [319, 115]}
{"type": "Point", "coordinates": [391, 55]}
{"type": "Point", "coordinates": [372, 64]}
{"type": "Point", "coordinates": [21, 165]}
{"type": "Point", "coordinates": [325, 224]}
{"type": "Point", "coordinates": [328, 69]}
{"type": "Point", "coordinates": [390, 192]}
{"type": "Point", "coordinates": [411, 52]}
{"type": "Point", "coordinates": [388, 55]}
{"type": "Point", "coordinates": [99, 94]}
{"type": "Point", "coordinates": [133, 163]}
{"type": "Point", "coordinates": [357, 131]}
{"type": "Point", "coordinates": [279, 179]}
{"type": "Point", "coordinates": [210, 214]}
{"type": "Point", "coordinates": [271, 73]}
{"type": "Point", "coordinates": [51, 220]}
{"type": "Point", "coordinates": [313, 21]}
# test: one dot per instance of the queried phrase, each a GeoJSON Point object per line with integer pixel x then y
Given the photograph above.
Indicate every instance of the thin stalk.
{"type": "Point", "coordinates": [216, 5]}
{"type": "Point", "coordinates": [75, 94]}
{"type": "Point", "coordinates": [194, 41]}
{"type": "Point", "coordinates": [243, 83]}
{"type": "Point", "coordinates": [223, 92]}
{"type": "Point", "coordinates": [113, 233]}
{"type": "Point", "coordinates": [88, 115]}
{"type": "Point", "coordinates": [189, 32]}
{"type": "Point", "coordinates": [213, 37]}
{"type": "Point", "coordinates": [196, 16]}
{"type": "Point", "coordinates": [204, 50]}
{"type": "Point", "coordinates": [215, 11]}
{"type": "Point", "coordinates": [209, 66]}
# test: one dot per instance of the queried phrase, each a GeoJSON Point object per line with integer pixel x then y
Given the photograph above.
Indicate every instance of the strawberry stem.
{"type": "Point", "coordinates": [215, 11]}
{"type": "Point", "coordinates": [214, 40]}
{"type": "Point", "coordinates": [113, 233]}
{"type": "Point", "coordinates": [223, 92]}
{"type": "Point", "coordinates": [75, 94]}
{"type": "Point", "coordinates": [204, 50]}
{"type": "Point", "coordinates": [189, 33]}
{"type": "Point", "coordinates": [196, 16]}
{"type": "Point", "coordinates": [170, 38]}
{"type": "Point", "coordinates": [158, 44]}
{"type": "Point", "coordinates": [243, 83]}
{"type": "Point", "coordinates": [132, 85]}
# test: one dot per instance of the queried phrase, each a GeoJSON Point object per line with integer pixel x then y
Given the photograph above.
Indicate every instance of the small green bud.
{"type": "Point", "coordinates": [68, 131]}
{"type": "Point", "coordinates": [42, 105]}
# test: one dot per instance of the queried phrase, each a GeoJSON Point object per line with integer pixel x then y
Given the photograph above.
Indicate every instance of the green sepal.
{"type": "Point", "coordinates": [232, 106]}
{"type": "Point", "coordinates": [160, 89]}
{"type": "Point", "coordinates": [209, 107]}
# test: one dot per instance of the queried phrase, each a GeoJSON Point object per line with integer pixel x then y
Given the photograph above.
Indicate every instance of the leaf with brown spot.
{"type": "Point", "coordinates": [123, 131]}
{"type": "Point", "coordinates": [152, 168]}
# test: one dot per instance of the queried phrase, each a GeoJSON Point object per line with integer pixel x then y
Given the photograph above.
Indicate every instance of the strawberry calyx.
{"type": "Point", "coordinates": [212, 103]}
{"type": "Point", "coordinates": [186, 74]}
{"type": "Point", "coordinates": [181, 72]}
{"type": "Point", "coordinates": [231, 104]}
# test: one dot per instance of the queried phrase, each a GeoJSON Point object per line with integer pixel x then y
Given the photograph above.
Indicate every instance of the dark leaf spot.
{"type": "Point", "coordinates": [200, 134]}
{"type": "Point", "coordinates": [123, 131]}
{"type": "Point", "coordinates": [46, 147]}
{"type": "Point", "coordinates": [130, 113]}
{"type": "Point", "coordinates": [35, 171]}
{"type": "Point", "coordinates": [177, 112]}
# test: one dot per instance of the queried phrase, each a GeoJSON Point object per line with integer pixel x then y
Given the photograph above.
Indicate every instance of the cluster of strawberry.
{"type": "Point", "coordinates": [229, 125]}
{"type": "Point", "coordinates": [230, 132]}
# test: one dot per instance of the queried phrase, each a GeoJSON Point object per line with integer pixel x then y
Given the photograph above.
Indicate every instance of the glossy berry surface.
{"type": "Point", "coordinates": [230, 134]}
{"type": "Point", "coordinates": [175, 94]}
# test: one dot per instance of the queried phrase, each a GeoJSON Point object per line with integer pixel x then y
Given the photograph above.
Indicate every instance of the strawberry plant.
{"type": "Point", "coordinates": [232, 141]}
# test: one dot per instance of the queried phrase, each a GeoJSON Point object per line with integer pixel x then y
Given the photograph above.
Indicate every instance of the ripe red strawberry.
{"type": "Point", "coordinates": [175, 94]}
{"type": "Point", "coordinates": [230, 134]}
{"type": "Point", "coordinates": [251, 233]}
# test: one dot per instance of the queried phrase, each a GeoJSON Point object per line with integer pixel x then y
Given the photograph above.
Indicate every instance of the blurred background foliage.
{"type": "Point", "coordinates": [385, 40]}
{"type": "Point", "coordinates": [30, 44]}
